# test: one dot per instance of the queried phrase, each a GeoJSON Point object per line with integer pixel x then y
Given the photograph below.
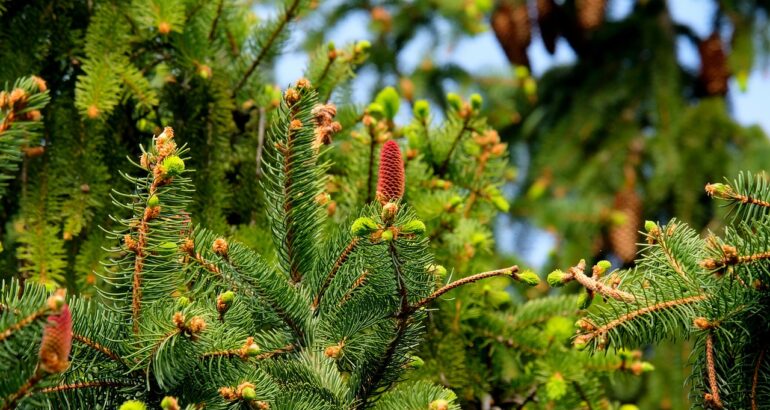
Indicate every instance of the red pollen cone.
{"type": "Point", "coordinates": [390, 182]}
{"type": "Point", "coordinates": [57, 342]}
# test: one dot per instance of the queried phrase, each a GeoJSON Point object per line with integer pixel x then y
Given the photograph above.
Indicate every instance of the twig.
{"type": "Point", "coordinates": [755, 380]}
{"type": "Point", "coordinates": [84, 385]}
{"type": "Point", "coordinates": [216, 20]}
{"type": "Point", "coordinates": [641, 312]}
{"type": "Point", "coordinates": [593, 285]}
{"type": "Point", "coordinates": [98, 347]}
{"type": "Point", "coordinates": [24, 389]}
{"type": "Point", "coordinates": [23, 323]}
{"type": "Point", "coordinates": [479, 276]}
{"type": "Point", "coordinates": [290, 12]}
{"type": "Point", "coordinates": [712, 372]}
{"type": "Point", "coordinates": [260, 139]}
{"type": "Point", "coordinates": [337, 265]}
{"type": "Point", "coordinates": [442, 170]}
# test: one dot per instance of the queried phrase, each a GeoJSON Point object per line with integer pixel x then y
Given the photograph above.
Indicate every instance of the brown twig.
{"type": "Point", "coordinates": [84, 385]}
{"type": "Point", "coordinates": [359, 281]}
{"type": "Point", "coordinates": [24, 389]}
{"type": "Point", "coordinates": [23, 323]}
{"type": "Point", "coordinates": [98, 347]}
{"type": "Point", "coordinates": [337, 265]}
{"type": "Point", "coordinates": [213, 30]}
{"type": "Point", "coordinates": [712, 372]}
{"type": "Point", "coordinates": [479, 276]}
{"type": "Point", "coordinates": [286, 349]}
{"type": "Point", "coordinates": [260, 139]}
{"type": "Point", "coordinates": [593, 285]}
{"type": "Point", "coordinates": [755, 380]}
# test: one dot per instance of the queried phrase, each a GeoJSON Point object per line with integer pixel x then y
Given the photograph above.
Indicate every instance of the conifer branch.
{"type": "Point", "coordinates": [671, 259]}
{"type": "Point", "coordinates": [98, 347]}
{"type": "Point", "coordinates": [445, 164]}
{"type": "Point", "coordinates": [713, 397]}
{"type": "Point", "coordinates": [479, 276]}
{"type": "Point", "coordinates": [755, 380]}
{"type": "Point", "coordinates": [288, 167]}
{"type": "Point", "coordinates": [23, 323]}
{"type": "Point", "coordinates": [358, 282]}
{"type": "Point", "coordinates": [723, 191]}
{"type": "Point", "coordinates": [213, 30]}
{"type": "Point", "coordinates": [287, 17]}
{"type": "Point", "coordinates": [84, 385]}
{"type": "Point", "coordinates": [10, 402]}
{"type": "Point", "coordinates": [639, 312]}
{"type": "Point", "coordinates": [337, 265]}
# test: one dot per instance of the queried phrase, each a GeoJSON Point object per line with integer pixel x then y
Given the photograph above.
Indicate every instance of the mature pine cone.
{"type": "Point", "coordinates": [548, 21]}
{"type": "Point", "coordinates": [623, 237]}
{"type": "Point", "coordinates": [590, 13]}
{"type": "Point", "coordinates": [510, 22]}
{"type": "Point", "coordinates": [714, 72]}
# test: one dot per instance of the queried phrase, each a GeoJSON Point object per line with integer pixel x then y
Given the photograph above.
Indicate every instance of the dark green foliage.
{"type": "Point", "coordinates": [712, 290]}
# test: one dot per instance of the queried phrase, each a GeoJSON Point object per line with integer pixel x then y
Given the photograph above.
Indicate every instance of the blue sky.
{"type": "Point", "coordinates": [482, 54]}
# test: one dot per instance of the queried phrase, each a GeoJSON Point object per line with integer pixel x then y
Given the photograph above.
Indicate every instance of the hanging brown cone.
{"type": "Point", "coordinates": [510, 22]}
{"type": "Point", "coordinates": [590, 13]}
{"type": "Point", "coordinates": [714, 72]}
{"type": "Point", "coordinates": [624, 235]}
{"type": "Point", "coordinates": [548, 22]}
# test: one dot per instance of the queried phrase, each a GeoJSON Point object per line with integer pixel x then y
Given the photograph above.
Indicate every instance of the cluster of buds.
{"type": "Point", "coordinates": [225, 302]}
{"type": "Point", "coordinates": [244, 391]}
{"type": "Point", "coordinates": [249, 349]}
{"type": "Point", "coordinates": [465, 109]}
{"type": "Point", "coordinates": [334, 351]}
{"type": "Point", "coordinates": [220, 247]}
{"type": "Point", "coordinates": [490, 144]}
{"type": "Point", "coordinates": [192, 328]}
{"type": "Point", "coordinates": [16, 101]}
{"type": "Point", "coordinates": [162, 159]}
{"type": "Point", "coordinates": [325, 126]}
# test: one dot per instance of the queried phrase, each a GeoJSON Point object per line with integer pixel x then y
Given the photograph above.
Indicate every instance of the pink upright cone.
{"type": "Point", "coordinates": [390, 182]}
{"type": "Point", "coordinates": [57, 342]}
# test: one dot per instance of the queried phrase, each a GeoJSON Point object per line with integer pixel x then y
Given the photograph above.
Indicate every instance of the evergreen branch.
{"type": "Point", "coordinates": [213, 30]}
{"type": "Point", "coordinates": [755, 380]}
{"type": "Point", "coordinates": [98, 347]}
{"type": "Point", "coordinates": [288, 161]}
{"type": "Point", "coordinates": [24, 389]}
{"type": "Point", "coordinates": [358, 282]}
{"type": "Point", "coordinates": [577, 273]}
{"type": "Point", "coordinates": [640, 312]}
{"type": "Point", "coordinates": [713, 398]}
{"type": "Point", "coordinates": [195, 256]}
{"type": "Point", "coordinates": [722, 191]}
{"type": "Point", "coordinates": [288, 16]}
{"type": "Point", "coordinates": [23, 323]}
{"type": "Point", "coordinates": [670, 256]}
{"type": "Point", "coordinates": [84, 385]}
{"type": "Point", "coordinates": [444, 165]}
{"type": "Point", "coordinates": [337, 265]}
{"type": "Point", "coordinates": [402, 320]}
{"type": "Point", "coordinates": [139, 250]}
{"type": "Point", "coordinates": [479, 276]}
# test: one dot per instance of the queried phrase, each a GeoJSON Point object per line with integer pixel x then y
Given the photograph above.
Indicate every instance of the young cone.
{"type": "Point", "coordinates": [390, 182]}
{"type": "Point", "coordinates": [57, 342]}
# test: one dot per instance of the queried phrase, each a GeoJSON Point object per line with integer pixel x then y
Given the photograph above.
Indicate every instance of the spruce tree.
{"type": "Point", "coordinates": [191, 318]}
